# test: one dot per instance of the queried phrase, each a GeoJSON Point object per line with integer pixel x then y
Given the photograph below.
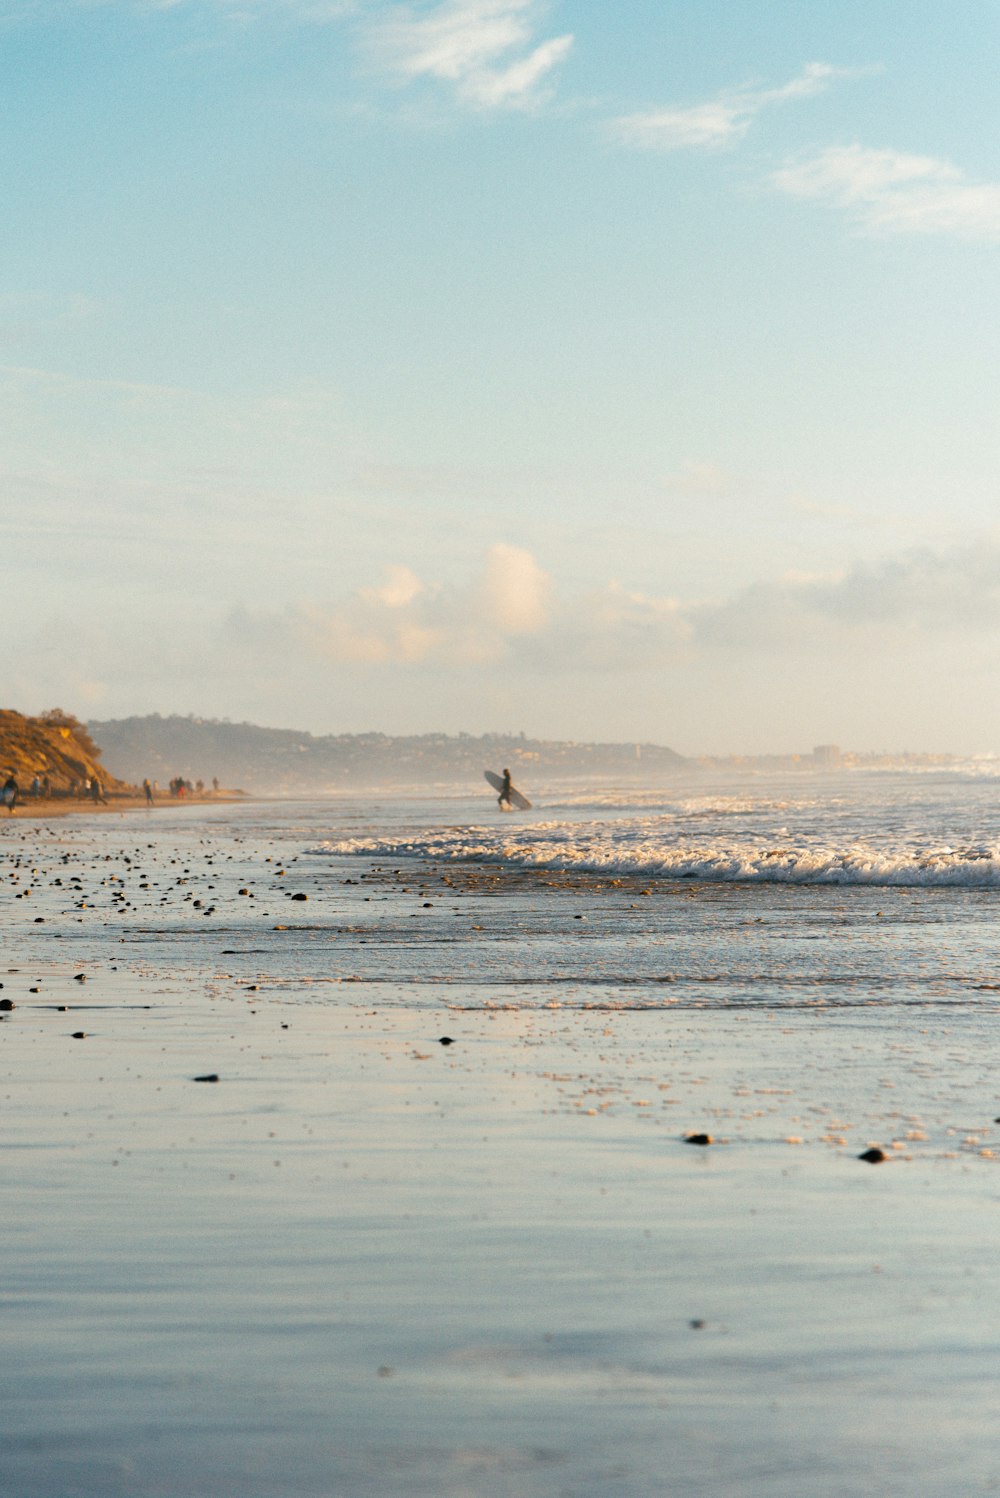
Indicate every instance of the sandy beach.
{"type": "Point", "coordinates": [42, 809]}
{"type": "Point", "coordinates": [368, 1262]}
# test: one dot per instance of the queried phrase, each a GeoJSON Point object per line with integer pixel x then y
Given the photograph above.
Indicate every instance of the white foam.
{"type": "Point", "coordinates": [654, 848]}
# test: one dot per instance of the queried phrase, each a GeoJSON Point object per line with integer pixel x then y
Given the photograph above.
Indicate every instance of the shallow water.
{"type": "Point", "coordinates": [366, 1263]}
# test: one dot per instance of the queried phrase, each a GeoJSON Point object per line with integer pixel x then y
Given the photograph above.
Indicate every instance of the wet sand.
{"type": "Point", "coordinates": [366, 1262]}
{"type": "Point", "coordinates": [29, 809]}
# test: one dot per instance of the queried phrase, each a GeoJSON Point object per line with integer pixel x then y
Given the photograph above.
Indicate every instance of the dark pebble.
{"type": "Point", "coordinates": [6, 1003]}
{"type": "Point", "coordinates": [300, 896]}
{"type": "Point", "coordinates": [79, 977]}
{"type": "Point", "coordinates": [696, 1325]}
{"type": "Point", "coordinates": [39, 920]}
{"type": "Point", "coordinates": [873, 1156]}
{"type": "Point", "coordinates": [79, 1035]}
{"type": "Point", "coordinates": [212, 1076]}
{"type": "Point", "coordinates": [698, 1139]}
{"type": "Point", "coordinates": [446, 1040]}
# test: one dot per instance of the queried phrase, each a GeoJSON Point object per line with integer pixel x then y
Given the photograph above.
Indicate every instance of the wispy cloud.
{"type": "Point", "coordinates": [892, 192]}
{"type": "Point", "coordinates": [723, 120]}
{"type": "Point", "coordinates": [485, 49]}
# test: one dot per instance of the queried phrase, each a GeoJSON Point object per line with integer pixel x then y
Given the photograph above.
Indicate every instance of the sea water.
{"type": "Point", "coordinates": [365, 1262]}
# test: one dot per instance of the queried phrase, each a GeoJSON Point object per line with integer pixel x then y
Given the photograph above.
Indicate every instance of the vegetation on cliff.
{"type": "Point", "coordinates": [55, 746]}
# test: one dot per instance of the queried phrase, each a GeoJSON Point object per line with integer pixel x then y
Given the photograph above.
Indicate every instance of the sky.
{"type": "Point", "coordinates": [619, 372]}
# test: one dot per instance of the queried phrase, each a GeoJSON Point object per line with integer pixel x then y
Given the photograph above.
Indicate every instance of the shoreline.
{"type": "Point", "coordinates": [28, 809]}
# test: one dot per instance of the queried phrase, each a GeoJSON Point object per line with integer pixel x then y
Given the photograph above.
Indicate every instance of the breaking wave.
{"type": "Point", "coordinates": [647, 848]}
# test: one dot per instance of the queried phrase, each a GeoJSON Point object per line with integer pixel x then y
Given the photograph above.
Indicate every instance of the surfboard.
{"type": "Point", "coordinates": [496, 781]}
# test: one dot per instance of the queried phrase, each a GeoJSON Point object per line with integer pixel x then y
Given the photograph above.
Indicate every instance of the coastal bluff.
{"type": "Point", "coordinates": [54, 746]}
{"type": "Point", "coordinates": [282, 762]}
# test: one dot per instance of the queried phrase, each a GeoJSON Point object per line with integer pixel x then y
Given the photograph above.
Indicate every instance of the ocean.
{"type": "Point", "coordinates": [437, 1227]}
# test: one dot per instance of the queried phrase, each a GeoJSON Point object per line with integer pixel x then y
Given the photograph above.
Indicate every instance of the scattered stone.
{"type": "Point", "coordinates": [446, 1040]}
{"type": "Point", "coordinates": [79, 977]}
{"type": "Point", "coordinates": [212, 1076]}
{"type": "Point", "coordinates": [79, 1035]}
{"type": "Point", "coordinates": [873, 1156]}
{"type": "Point", "coordinates": [697, 1325]}
{"type": "Point", "coordinates": [6, 1003]}
{"type": "Point", "coordinates": [698, 1139]}
{"type": "Point", "coordinates": [39, 920]}
{"type": "Point", "coordinates": [300, 896]}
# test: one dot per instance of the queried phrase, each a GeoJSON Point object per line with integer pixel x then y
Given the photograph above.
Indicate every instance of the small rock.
{"type": "Point", "coordinates": [300, 896]}
{"type": "Point", "coordinates": [697, 1325]}
{"type": "Point", "coordinates": [446, 1040]}
{"type": "Point", "coordinates": [873, 1156]}
{"type": "Point", "coordinates": [698, 1139]}
{"type": "Point", "coordinates": [6, 1003]}
{"type": "Point", "coordinates": [79, 977]}
{"type": "Point", "coordinates": [212, 1076]}
{"type": "Point", "coordinates": [79, 1035]}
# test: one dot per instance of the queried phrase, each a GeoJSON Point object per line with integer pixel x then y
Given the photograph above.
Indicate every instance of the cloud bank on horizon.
{"type": "Point", "coordinates": [446, 351]}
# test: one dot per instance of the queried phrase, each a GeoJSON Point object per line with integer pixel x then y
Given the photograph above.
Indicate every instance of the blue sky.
{"type": "Point", "coordinates": [598, 371]}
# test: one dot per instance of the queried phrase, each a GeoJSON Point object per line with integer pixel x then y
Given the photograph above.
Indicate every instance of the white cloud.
{"type": "Point", "coordinates": [919, 592]}
{"type": "Point", "coordinates": [407, 620]}
{"type": "Point", "coordinates": [401, 586]}
{"type": "Point", "coordinates": [720, 121]}
{"type": "Point", "coordinates": [892, 192]}
{"type": "Point", "coordinates": [514, 591]}
{"type": "Point", "coordinates": [511, 614]}
{"type": "Point", "coordinates": [485, 48]}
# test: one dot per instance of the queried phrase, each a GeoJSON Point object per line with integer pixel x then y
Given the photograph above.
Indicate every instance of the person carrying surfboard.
{"type": "Point", "coordinates": [509, 797]}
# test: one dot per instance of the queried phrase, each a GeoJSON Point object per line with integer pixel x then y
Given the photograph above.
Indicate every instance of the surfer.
{"type": "Point", "coordinates": [504, 797]}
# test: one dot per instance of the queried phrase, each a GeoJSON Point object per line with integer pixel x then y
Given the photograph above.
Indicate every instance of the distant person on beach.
{"type": "Point", "coordinates": [36, 787]}
{"type": "Point", "coordinates": [10, 793]}
{"type": "Point", "coordinates": [97, 792]}
{"type": "Point", "coordinates": [149, 791]}
{"type": "Point", "coordinates": [504, 797]}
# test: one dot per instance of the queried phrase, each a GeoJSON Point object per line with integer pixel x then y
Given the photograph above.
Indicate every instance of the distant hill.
{"type": "Point", "coordinates": [55, 745]}
{"type": "Point", "coordinates": [279, 761]}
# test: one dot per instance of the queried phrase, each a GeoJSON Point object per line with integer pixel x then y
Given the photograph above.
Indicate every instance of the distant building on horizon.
{"type": "Point", "coordinates": [827, 756]}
